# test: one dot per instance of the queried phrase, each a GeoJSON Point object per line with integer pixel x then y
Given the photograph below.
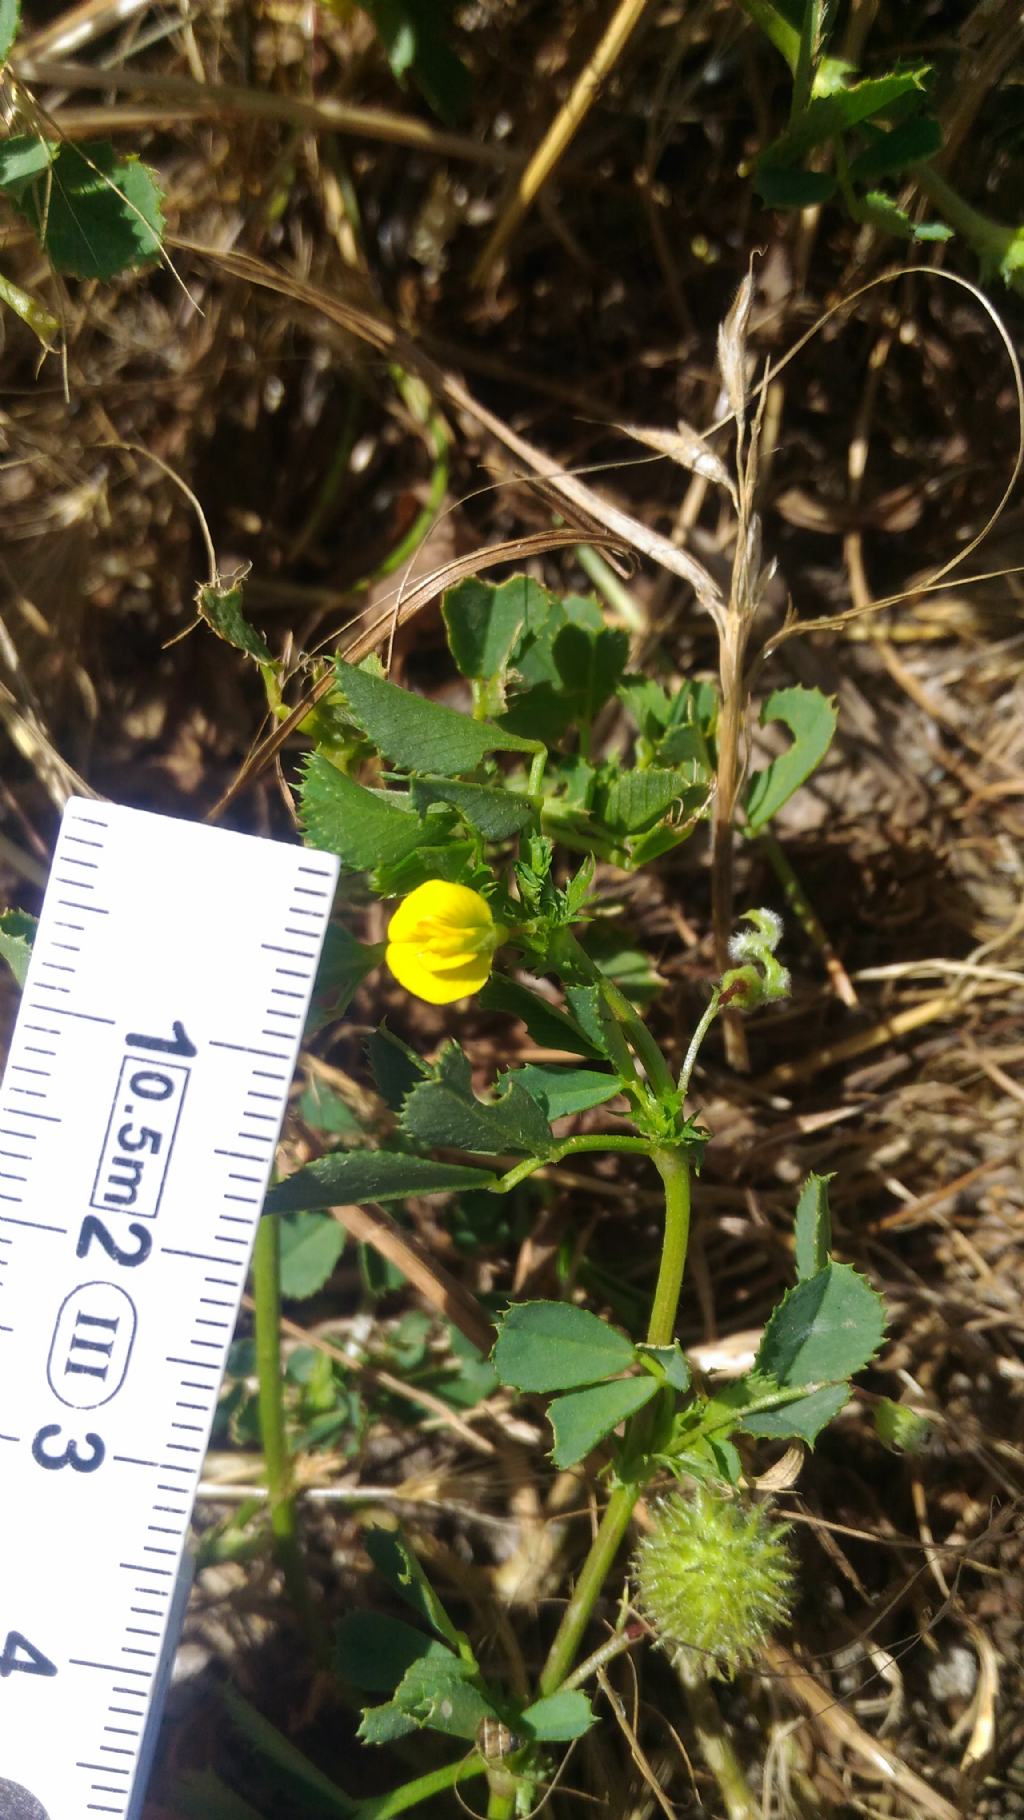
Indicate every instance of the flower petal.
{"type": "Point", "coordinates": [454, 905]}
{"type": "Point", "coordinates": [439, 986]}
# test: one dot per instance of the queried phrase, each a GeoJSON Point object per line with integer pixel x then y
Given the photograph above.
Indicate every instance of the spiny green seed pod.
{"type": "Point", "coordinates": [714, 1575]}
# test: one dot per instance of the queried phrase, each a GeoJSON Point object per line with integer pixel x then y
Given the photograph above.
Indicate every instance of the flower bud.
{"type": "Point", "coordinates": [759, 977]}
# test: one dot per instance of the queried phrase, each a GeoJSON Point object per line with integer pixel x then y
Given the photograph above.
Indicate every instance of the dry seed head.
{"type": "Point", "coordinates": [714, 1575]}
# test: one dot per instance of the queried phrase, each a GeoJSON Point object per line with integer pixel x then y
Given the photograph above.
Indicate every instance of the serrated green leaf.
{"type": "Point", "coordinates": [548, 1026]}
{"type": "Point", "coordinates": [415, 45]}
{"type": "Point", "coordinates": [373, 1651]}
{"type": "Point", "coordinates": [494, 812]}
{"type": "Point", "coordinates": [343, 965]}
{"type": "Point", "coordinates": [583, 1418]}
{"type": "Point", "coordinates": [811, 718]}
{"type": "Point", "coordinates": [556, 1346]}
{"type": "Point", "coordinates": [802, 1420]}
{"type": "Point", "coordinates": [890, 154]}
{"type": "Point", "coordinates": [370, 1175]}
{"type": "Point", "coordinates": [585, 1004]}
{"type": "Point", "coordinates": [311, 1244]}
{"type": "Point", "coordinates": [396, 1067]}
{"type": "Point", "coordinates": [727, 1459]}
{"type": "Point", "coordinates": [394, 1559]}
{"type": "Point", "coordinates": [648, 704]}
{"type": "Point", "coordinates": [458, 861]}
{"type": "Point", "coordinates": [590, 665]}
{"type": "Point", "coordinates": [827, 116]}
{"type": "Point", "coordinates": [783, 186]}
{"type": "Point", "coordinates": [883, 212]}
{"type": "Point", "coordinates": [324, 1110]}
{"type": "Point", "coordinates": [558, 1718]}
{"type": "Point", "coordinates": [484, 622]}
{"type": "Point", "coordinates": [630, 967]}
{"type": "Point", "coordinates": [671, 1360]}
{"type": "Point", "coordinates": [637, 799]}
{"type": "Point", "coordinates": [421, 735]}
{"type": "Point", "coordinates": [363, 827]}
{"type": "Point", "coordinates": [23, 159]}
{"type": "Point", "coordinates": [561, 1091]}
{"type": "Point", "coordinates": [900, 1429]}
{"type": "Point", "coordinates": [17, 933]}
{"type": "Point", "coordinates": [439, 1697]}
{"type": "Point", "coordinates": [10, 17]}
{"type": "Point", "coordinates": [813, 1227]}
{"type": "Point", "coordinates": [221, 607]}
{"type": "Point", "coordinates": [453, 1118]}
{"type": "Point", "coordinates": [94, 212]}
{"type": "Point", "coordinates": [822, 1331]}
{"type": "Point", "coordinates": [384, 1724]}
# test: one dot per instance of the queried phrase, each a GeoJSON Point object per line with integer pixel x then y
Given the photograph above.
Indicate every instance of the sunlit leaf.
{"type": "Point", "coordinates": [556, 1346]}
{"type": "Point", "coordinates": [811, 718]}
{"type": "Point", "coordinates": [370, 1175]}
{"type": "Point", "coordinates": [585, 1417]}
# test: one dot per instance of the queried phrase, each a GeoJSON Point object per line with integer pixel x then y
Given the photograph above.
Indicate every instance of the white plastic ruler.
{"type": "Point", "coordinates": [140, 1109]}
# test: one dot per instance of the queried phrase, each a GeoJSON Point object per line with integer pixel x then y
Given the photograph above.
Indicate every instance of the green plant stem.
{"type": "Point", "coordinates": [266, 1291]}
{"type": "Point", "coordinates": [410, 1794]}
{"type": "Point", "coordinates": [596, 1568]}
{"type": "Point", "coordinates": [696, 1040]}
{"type": "Point", "coordinates": [997, 245]}
{"type": "Point", "coordinates": [501, 1801]}
{"type": "Point", "coordinates": [607, 583]}
{"type": "Point", "coordinates": [655, 1066]}
{"type": "Point", "coordinates": [574, 1146]}
{"type": "Point", "coordinates": [673, 1168]}
{"type": "Point", "coordinates": [737, 1795]}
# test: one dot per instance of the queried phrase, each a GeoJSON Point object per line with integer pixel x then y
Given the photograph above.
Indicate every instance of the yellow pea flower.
{"type": "Point", "coordinates": [441, 941]}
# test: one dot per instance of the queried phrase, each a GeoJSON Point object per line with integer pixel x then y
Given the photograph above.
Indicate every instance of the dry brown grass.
{"type": "Point", "coordinates": [261, 370]}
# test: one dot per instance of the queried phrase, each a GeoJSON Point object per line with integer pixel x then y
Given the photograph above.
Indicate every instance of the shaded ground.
{"type": "Point", "coordinates": [311, 458]}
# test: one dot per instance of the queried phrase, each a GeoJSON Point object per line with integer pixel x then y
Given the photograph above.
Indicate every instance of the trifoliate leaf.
{"type": "Point", "coordinates": [811, 718]}
{"type": "Point", "coordinates": [813, 1227]}
{"type": "Point", "coordinates": [558, 1718]}
{"type": "Point", "coordinates": [10, 16]}
{"type": "Point", "coordinates": [561, 1091]}
{"type": "Point", "coordinates": [421, 735]}
{"type": "Point", "coordinates": [556, 1346]}
{"type": "Point", "coordinates": [17, 933]}
{"type": "Point", "coordinates": [451, 1117]}
{"type": "Point", "coordinates": [311, 1244]}
{"type": "Point", "coordinates": [373, 1651]}
{"type": "Point", "coordinates": [370, 1175]}
{"type": "Point", "coordinates": [583, 1418]}
{"type": "Point", "coordinates": [94, 212]}
{"type": "Point", "coordinates": [221, 607]}
{"type": "Point", "coordinates": [552, 1028]}
{"type": "Point", "coordinates": [822, 1331]}
{"type": "Point", "coordinates": [365, 828]}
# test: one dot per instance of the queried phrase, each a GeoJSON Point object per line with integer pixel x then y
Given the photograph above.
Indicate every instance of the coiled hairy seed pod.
{"type": "Point", "coordinates": [714, 1575]}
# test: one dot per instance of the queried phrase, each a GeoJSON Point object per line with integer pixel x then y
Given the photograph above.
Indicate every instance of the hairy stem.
{"type": "Point", "coordinates": [596, 1568]}
{"type": "Point", "coordinates": [673, 1168]}
{"type": "Point", "coordinates": [266, 1292]}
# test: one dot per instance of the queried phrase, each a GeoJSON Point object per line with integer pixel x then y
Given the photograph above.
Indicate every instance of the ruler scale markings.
{"type": "Point", "coordinates": [154, 1071]}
